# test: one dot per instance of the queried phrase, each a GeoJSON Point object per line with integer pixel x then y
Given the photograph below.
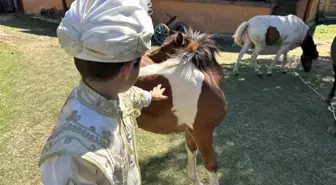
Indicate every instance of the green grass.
{"type": "Point", "coordinates": [325, 32]}
{"type": "Point", "coordinates": [9, 67]}
{"type": "Point", "coordinates": [274, 131]}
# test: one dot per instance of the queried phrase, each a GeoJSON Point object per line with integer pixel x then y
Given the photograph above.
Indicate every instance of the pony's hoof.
{"type": "Point", "coordinates": [259, 75]}
{"type": "Point", "coordinates": [269, 74]}
{"type": "Point", "coordinates": [236, 74]}
{"type": "Point", "coordinates": [284, 72]}
{"type": "Point", "coordinates": [332, 130]}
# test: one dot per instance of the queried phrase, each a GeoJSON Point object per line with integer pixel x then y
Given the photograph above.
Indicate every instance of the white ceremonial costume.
{"type": "Point", "coordinates": [93, 140]}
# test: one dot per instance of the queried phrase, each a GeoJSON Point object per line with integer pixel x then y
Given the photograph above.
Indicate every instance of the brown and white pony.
{"type": "Point", "coordinates": [275, 33]}
{"type": "Point", "coordinates": [186, 66]}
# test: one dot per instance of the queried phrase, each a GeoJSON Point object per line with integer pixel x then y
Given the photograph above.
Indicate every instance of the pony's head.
{"type": "Point", "coordinates": [309, 53]}
{"type": "Point", "coordinates": [170, 46]}
{"type": "Point", "coordinates": [191, 42]}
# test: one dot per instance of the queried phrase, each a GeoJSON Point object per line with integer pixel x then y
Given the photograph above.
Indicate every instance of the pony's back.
{"type": "Point", "coordinates": [291, 28]}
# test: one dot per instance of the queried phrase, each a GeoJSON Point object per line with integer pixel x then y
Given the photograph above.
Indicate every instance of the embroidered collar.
{"type": "Point", "coordinates": [95, 101]}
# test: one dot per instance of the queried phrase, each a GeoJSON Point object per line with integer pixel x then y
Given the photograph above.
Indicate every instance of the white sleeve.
{"type": "Point", "coordinates": [67, 170]}
{"type": "Point", "coordinates": [148, 98]}
{"type": "Point", "coordinates": [140, 97]}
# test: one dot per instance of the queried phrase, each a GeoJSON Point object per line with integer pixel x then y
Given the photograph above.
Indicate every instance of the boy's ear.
{"type": "Point", "coordinates": [125, 70]}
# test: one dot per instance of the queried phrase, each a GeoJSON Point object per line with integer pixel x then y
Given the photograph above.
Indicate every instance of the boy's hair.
{"type": "Point", "coordinates": [100, 70]}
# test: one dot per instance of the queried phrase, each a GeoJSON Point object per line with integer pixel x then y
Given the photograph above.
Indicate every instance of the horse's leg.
{"type": "Point", "coordinates": [255, 54]}
{"type": "Point", "coordinates": [283, 49]}
{"type": "Point", "coordinates": [240, 56]}
{"type": "Point", "coordinates": [192, 163]}
{"type": "Point", "coordinates": [332, 92]}
{"type": "Point", "coordinates": [204, 139]}
{"type": "Point", "coordinates": [284, 61]}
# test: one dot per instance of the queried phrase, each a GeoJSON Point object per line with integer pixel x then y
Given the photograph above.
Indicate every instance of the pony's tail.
{"type": "Point", "coordinates": [238, 35]}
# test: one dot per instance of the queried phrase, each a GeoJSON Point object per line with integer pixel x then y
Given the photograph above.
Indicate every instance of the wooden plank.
{"type": "Point", "coordinates": [301, 8]}
{"type": "Point", "coordinates": [329, 8]}
{"type": "Point", "coordinates": [286, 7]}
{"type": "Point", "coordinates": [261, 4]}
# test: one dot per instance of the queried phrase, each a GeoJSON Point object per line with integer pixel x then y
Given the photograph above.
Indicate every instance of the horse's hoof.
{"type": "Point", "coordinates": [284, 72]}
{"type": "Point", "coordinates": [269, 74]}
{"type": "Point", "coordinates": [236, 74]}
{"type": "Point", "coordinates": [259, 75]}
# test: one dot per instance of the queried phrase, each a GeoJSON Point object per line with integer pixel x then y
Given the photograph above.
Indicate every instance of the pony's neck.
{"type": "Point", "coordinates": [156, 57]}
{"type": "Point", "coordinates": [307, 43]}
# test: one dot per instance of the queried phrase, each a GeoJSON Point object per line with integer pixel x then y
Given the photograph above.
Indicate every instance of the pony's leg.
{"type": "Point", "coordinates": [204, 140]}
{"type": "Point", "coordinates": [192, 163]}
{"type": "Point", "coordinates": [332, 92]}
{"type": "Point", "coordinates": [284, 61]}
{"type": "Point", "coordinates": [240, 56]}
{"type": "Point", "coordinates": [283, 49]}
{"type": "Point", "coordinates": [332, 129]}
{"type": "Point", "coordinates": [255, 54]}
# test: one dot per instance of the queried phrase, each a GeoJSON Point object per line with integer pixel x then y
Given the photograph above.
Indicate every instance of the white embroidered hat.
{"type": "Point", "coordinates": [106, 30]}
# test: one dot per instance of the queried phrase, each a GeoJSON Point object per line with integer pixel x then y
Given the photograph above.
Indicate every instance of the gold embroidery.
{"type": "Point", "coordinates": [73, 117]}
{"type": "Point", "coordinates": [93, 100]}
{"type": "Point", "coordinates": [138, 97]}
{"type": "Point", "coordinates": [71, 182]}
{"type": "Point", "coordinates": [92, 128]}
{"type": "Point", "coordinates": [80, 129]}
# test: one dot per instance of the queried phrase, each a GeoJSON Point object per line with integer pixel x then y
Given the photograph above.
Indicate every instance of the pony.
{"type": "Point", "coordinates": [277, 34]}
{"type": "Point", "coordinates": [187, 68]}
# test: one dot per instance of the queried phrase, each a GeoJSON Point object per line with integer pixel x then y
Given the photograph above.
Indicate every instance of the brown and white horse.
{"type": "Point", "coordinates": [186, 66]}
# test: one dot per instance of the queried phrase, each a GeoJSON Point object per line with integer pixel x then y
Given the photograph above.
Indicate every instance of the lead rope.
{"type": "Point", "coordinates": [331, 107]}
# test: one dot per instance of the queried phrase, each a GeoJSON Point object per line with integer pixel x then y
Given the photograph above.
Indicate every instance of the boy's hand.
{"type": "Point", "coordinates": [157, 93]}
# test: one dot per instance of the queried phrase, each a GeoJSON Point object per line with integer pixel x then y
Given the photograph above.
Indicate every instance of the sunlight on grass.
{"type": "Point", "coordinates": [9, 65]}
{"type": "Point", "coordinates": [328, 79]}
{"type": "Point", "coordinates": [326, 32]}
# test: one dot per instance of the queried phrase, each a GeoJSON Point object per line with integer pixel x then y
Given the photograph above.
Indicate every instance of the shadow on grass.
{"type": "Point", "coordinates": [28, 25]}
{"type": "Point", "coordinates": [274, 132]}
{"type": "Point", "coordinates": [153, 168]}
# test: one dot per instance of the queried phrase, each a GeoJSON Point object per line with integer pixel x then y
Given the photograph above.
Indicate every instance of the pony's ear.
{"type": "Point", "coordinates": [179, 39]}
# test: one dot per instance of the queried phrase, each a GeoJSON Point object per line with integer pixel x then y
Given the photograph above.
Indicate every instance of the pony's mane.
{"type": "Point", "coordinates": [200, 50]}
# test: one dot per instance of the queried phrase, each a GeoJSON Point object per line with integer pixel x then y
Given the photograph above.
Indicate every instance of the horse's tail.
{"type": "Point", "coordinates": [239, 33]}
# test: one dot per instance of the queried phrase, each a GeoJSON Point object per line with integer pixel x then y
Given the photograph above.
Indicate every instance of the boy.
{"type": "Point", "coordinates": [93, 142]}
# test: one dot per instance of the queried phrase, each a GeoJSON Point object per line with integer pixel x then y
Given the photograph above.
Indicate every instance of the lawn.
{"type": "Point", "coordinates": [274, 131]}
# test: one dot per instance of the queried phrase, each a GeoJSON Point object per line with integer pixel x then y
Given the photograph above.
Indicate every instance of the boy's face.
{"type": "Point", "coordinates": [130, 73]}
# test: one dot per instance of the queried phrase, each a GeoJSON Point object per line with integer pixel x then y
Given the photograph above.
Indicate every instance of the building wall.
{"type": "Point", "coordinates": [205, 16]}
{"type": "Point", "coordinates": [35, 6]}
